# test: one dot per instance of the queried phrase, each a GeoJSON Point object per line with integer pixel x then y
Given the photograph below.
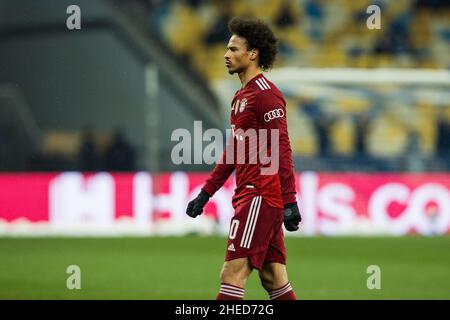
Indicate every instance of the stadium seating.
{"type": "Point", "coordinates": [332, 34]}
{"type": "Point", "coordinates": [323, 34]}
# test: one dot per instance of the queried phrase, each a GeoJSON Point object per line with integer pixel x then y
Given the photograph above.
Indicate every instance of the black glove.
{"type": "Point", "coordinates": [291, 217]}
{"type": "Point", "coordinates": [195, 207]}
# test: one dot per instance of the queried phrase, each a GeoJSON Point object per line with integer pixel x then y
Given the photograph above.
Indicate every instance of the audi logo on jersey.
{"type": "Point", "coordinates": [273, 114]}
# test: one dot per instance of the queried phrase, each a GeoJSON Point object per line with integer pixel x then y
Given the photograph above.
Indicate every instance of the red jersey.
{"type": "Point", "coordinates": [260, 105]}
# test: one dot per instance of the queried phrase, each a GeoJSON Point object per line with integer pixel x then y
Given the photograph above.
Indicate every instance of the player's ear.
{"type": "Point", "coordinates": [254, 54]}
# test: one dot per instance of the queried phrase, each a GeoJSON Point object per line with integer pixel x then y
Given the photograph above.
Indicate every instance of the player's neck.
{"type": "Point", "coordinates": [248, 74]}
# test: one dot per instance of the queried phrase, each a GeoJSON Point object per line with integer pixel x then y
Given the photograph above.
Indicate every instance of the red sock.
{"type": "Point", "coordinates": [230, 292]}
{"type": "Point", "coordinates": [283, 293]}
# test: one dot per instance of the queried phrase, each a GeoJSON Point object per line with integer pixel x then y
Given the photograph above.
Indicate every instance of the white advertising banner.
{"type": "Point", "coordinates": [104, 204]}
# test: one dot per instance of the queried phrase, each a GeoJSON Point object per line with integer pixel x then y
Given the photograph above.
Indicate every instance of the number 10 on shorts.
{"type": "Point", "coordinates": [233, 229]}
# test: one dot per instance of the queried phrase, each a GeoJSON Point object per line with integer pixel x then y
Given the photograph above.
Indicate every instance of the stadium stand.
{"type": "Point", "coordinates": [332, 127]}
{"type": "Point", "coordinates": [320, 34]}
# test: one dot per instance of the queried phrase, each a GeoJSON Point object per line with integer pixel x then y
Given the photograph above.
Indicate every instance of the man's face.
{"type": "Point", "coordinates": [238, 57]}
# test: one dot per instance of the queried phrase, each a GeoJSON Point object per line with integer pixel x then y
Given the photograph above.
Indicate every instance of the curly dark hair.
{"type": "Point", "coordinates": [259, 36]}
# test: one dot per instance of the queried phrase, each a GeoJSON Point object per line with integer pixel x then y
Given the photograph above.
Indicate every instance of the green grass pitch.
{"type": "Point", "coordinates": [188, 267]}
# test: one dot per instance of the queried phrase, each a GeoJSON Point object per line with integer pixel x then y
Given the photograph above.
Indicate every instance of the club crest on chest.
{"type": "Point", "coordinates": [239, 105]}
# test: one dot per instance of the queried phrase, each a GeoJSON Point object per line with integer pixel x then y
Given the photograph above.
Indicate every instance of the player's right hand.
{"type": "Point", "coordinates": [195, 207]}
{"type": "Point", "coordinates": [291, 217]}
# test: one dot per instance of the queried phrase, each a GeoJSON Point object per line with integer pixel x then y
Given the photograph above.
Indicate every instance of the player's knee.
{"type": "Point", "coordinates": [273, 276]}
{"type": "Point", "coordinates": [267, 279]}
{"type": "Point", "coordinates": [235, 278]}
{"type": "Point", "coordinates": [234, 274]}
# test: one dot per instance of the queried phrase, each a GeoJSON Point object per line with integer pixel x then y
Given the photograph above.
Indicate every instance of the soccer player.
{"type": "Point", "coordinates": [263, 201]}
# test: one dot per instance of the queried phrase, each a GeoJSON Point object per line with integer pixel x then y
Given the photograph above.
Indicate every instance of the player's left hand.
{"type": "Point", "coordinates": [195, 207]}
{"type": "Point", "coordinates": [291, 217]}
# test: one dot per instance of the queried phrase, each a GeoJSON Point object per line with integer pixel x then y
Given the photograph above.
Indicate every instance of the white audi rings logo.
{"type": "Point", "coordinates": [276, 113]}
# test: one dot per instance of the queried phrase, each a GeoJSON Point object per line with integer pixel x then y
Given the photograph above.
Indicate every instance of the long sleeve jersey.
{"type": "Point", "coordinates": [257, 106]}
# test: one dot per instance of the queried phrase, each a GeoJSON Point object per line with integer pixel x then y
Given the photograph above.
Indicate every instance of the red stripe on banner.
{"type": "Point", "coordinates": [24, 196]}
{"type": "Point", "coordinates": [123, 195]}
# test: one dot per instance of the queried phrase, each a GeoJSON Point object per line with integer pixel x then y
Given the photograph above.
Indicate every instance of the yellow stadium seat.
{"type": "Point", "coordinates": [294, 37]}
{"type": "Point", "coordinates": [215, 66]}
{"type": "Point", "coordinates": [351, 104]}
{"type": "Point", "coordinates": [342, 137]}
{"type": "Point", "coordinates": [301, 133]}
{"type": "Point", "coordinates": [61, 143]}
{"type": "Point", "coordinates": [427, 127]}
{"type": "Point", "coordinates": [386, 137]}
{"type": "Point", "coordinates": [186, 29]}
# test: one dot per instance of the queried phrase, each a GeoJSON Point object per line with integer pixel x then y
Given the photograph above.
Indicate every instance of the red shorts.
{"type": "Point", "coordinates": [256, 232]}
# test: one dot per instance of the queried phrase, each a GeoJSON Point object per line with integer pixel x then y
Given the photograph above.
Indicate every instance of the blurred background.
{"type": "Point", "coordinates": [71, 99]}
{"type": "Point", "coordinates": [87, 117]}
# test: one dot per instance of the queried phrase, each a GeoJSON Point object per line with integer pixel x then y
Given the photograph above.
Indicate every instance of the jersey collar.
{"type": "Point", "coordinates": [252, 80]}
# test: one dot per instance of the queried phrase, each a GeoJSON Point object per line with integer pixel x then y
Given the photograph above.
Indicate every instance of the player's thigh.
{"type": "Point", "coordinates": [273, 275]}
{"type": "Point", "coordinates": [251, 231]}
{"type": "Point", "coordinates": [276, 251]}
{"type": "Point", "coordinates": [236, 271]}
